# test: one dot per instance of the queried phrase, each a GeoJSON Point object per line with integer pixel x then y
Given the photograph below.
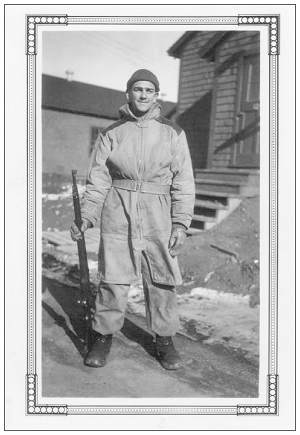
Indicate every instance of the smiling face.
{"type": "Point", "coordinates": [142, 96]}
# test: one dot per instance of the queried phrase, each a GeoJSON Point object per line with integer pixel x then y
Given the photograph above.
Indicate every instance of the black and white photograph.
{"type": "Point", "coordinates": [151, 215]}
{"type": "Point", "coordinates": [164, 181]}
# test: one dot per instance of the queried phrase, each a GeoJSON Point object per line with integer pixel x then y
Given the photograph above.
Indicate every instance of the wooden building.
{"type": "Point", "coordinates": [218, 107]}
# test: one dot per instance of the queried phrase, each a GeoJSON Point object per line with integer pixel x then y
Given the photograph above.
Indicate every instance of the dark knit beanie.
{"type": "Point", "coordinates": [143, 75]}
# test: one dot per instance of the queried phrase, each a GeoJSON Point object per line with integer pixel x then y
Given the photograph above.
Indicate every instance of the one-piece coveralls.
{"type": "Point", "coordinates": [140, 183]}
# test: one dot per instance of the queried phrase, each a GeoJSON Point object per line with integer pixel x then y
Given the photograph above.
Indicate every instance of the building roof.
{"type": "Point", "coordinates": [86, 99]}
{"type": "Point", "coordinates": [175, 49]}
{"type": "Point", "coordinates": [207, 51]}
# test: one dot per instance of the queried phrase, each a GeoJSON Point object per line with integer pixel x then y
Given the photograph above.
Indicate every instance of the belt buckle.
{"type": "Point", "coordinates": [139, 185]}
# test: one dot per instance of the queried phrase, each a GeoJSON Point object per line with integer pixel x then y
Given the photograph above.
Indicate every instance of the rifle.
{"type": "Point", "coordinates": [85, 287]}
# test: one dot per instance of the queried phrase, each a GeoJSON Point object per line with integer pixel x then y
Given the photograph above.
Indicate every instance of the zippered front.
{"type": "Point", "coordinates": [138, 206]}
{"type": "Point", "coordinates": [139, 180]}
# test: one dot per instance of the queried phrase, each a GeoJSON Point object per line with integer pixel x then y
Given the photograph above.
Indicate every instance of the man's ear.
{"type": "Point", "coordinates": [127, 96]}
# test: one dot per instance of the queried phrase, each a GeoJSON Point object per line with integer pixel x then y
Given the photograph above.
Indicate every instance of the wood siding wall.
{"type": "Point", "coordinates": [194, 97]}
{"type": "Point", "coordinates": [207, 95]}
{"type": "Point", "coordinates": [227, 82]}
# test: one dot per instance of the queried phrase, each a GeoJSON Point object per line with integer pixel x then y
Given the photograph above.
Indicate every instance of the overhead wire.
{"type": "Point", "coordinates": [111, 46]}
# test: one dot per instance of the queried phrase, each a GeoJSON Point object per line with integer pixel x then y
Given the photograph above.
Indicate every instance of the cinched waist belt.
{"type": "Point", "coordinates": [142, 186]}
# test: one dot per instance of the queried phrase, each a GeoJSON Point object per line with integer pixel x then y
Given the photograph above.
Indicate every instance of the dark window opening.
{"type": "Point", "coordinates": [93, 137]}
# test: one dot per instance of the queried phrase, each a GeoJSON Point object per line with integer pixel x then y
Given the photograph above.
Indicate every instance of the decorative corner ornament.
{"type": "Point", "coordinates": [31, 27]}
{"type": "Point", "coordinates": [268, 20]}
{"type": "Point", "coordinates": [33, 408]}
{"type": "Point", "coordinates": [271, 408]}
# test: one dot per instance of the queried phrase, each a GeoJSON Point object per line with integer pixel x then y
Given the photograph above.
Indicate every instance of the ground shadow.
{"type": "Point", "coordinates": [67, 297]}
{"type": "Point", "coordinates": [201, 368]}
{"type": "Point", "coordinates": [70, 316]}
{"type": "Point", "coordinates": [61, 321]}
{"type": "Point", "coordinates": [138, 335]}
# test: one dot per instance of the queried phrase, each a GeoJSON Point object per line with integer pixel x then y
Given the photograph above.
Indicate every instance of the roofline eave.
{"type": "Point", "coordinates": [175, 49]}
{"type": "Point", "coordinates": [78, 112]}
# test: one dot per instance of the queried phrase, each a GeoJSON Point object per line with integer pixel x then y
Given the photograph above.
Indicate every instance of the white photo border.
{"type": "Point", "coordinates": [271, 406]}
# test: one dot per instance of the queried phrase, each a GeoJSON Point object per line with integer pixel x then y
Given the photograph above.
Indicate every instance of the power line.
{"type": "Point", "coordinates": [111, 46]}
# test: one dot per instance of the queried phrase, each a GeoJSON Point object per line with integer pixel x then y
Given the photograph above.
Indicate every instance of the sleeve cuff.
{"type": "Point", "coordinates": [179, 225]}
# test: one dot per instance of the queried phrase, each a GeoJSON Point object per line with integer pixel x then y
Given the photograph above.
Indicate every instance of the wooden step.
{"type": "Point", "coordinates": [212, 186]}
{"type": "Point", "coordinates": [200, 180]}
{"type": "Point", "coordinates": [203, 218]}
{"type": "Point", "coordinates": [214, 205]}
{"type": "Point", "coordinates": [217, 193]}
{"type": "Point", "coordinates": [227, 171]}
{"type": "Point", "coordinates": [226, 191]}
{"type": "Point", "coordinates": [241, 175]}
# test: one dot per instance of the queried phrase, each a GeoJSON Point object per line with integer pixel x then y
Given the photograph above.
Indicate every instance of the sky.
{"type": "Point", "coordinates": [108, 58]}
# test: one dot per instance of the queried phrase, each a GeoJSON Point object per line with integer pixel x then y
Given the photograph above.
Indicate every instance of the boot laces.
{"type": "Point", "coordinates": [102, 338]}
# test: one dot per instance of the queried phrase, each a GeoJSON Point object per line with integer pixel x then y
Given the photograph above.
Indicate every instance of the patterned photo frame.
{"type": "Point", "coordinates": [270, 406]}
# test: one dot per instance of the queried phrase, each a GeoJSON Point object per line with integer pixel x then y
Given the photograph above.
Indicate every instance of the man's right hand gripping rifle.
{"type": "Point", "coordinates": [76, 233]}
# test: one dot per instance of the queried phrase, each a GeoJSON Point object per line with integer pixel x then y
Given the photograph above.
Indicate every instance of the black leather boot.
{"type": "Point", "coordinates": [99, 351]}
{"type": "Point", "coordinates": [166, 353]}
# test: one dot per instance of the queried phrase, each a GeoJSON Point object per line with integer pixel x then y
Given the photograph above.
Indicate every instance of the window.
{"type": "Point", "coordinates": [93, 136]}
{"type": "Point", "coordinates": [246, 150]}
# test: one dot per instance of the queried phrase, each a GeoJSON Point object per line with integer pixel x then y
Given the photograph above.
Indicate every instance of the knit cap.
{"type": "Point", "coordinates": [143, 75]}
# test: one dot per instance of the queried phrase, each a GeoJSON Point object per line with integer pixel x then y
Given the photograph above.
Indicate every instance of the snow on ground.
{"type": "Point", "coordinates": [93, 265]}
{"type": "Point", "coordinates": [219, 299]}
{"type": "Point", "coordinates": [66, 192]}
{"type": "Point", "coordinates": [213, 317]}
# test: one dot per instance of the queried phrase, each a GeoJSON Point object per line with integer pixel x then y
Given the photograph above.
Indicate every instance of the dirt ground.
{"type": "Point", "coordinates": [220, 269]}
{"type": "Point", "coordinates": [132, 369]}
{"type": "Point", "coordinates": [225, 258]}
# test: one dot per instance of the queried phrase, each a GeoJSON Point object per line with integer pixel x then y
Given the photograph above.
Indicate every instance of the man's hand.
{"type": "Point", "coordinates": [76, 234]}
{"type": "Point", "coordinates": [177, 239]}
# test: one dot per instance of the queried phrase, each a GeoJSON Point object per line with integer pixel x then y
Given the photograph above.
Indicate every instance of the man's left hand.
{"type": "Point", "coordinates": [177, 239]}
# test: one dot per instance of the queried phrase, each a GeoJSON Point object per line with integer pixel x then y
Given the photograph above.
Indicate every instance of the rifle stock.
{"type": "Point", "coordinates": [85, 288]}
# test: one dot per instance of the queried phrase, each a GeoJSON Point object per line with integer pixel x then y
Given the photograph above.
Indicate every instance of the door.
{"type": "Point", "coordinates": [195, 122]}
{"type": "Point", "coordinates": [246, 147]}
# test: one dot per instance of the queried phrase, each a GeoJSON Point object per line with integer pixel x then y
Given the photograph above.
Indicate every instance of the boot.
{"type": "Point", "coordinates": [99, 351]}
{"type": "Point", "coordinates": [167, 354]}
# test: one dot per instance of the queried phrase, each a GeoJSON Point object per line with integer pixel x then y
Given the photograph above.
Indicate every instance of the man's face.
{"type": "Point", "coordinates": [142, 95]}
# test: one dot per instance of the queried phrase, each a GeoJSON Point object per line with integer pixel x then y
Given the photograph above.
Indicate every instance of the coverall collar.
{"type": "Point", "coordinates": [153, 112]}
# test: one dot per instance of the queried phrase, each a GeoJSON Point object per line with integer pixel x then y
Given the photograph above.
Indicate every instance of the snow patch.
{"type": "Point", "coordinates": [212, 317]}
{"type": "Point", "coordinates": [67, 193]}
{"type": "Point", "coordinates": [92, 264]}
{"type": "Point", "coordinates": [217, 296]}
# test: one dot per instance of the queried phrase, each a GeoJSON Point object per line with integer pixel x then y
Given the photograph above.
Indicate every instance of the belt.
{"type": "Point", "coordinates": [141, 186]}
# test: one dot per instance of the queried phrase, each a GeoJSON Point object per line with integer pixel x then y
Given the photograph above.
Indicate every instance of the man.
{"type": "Point", "coordinates": [140, 182]}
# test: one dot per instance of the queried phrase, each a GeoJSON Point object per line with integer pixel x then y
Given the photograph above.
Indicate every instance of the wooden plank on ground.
{"type": "Point", "coordinates": [57, 237]}
{"type": "Point", "coordinates": [62, 240]}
